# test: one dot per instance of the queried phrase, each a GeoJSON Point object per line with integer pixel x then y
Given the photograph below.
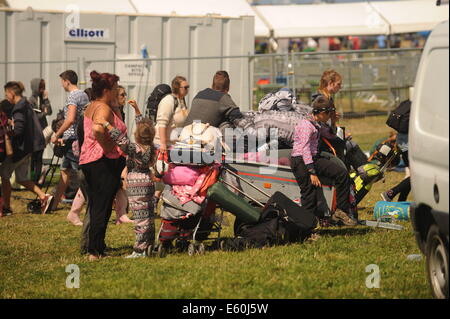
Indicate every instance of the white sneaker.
{"type": "Point", "coordinates": [136, 255]}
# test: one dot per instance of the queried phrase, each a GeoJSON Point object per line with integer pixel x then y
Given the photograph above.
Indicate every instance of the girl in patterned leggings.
{"type": "Point", "coordinates": [140, 187]}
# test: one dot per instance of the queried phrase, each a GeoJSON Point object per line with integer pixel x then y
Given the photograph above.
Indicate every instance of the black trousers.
{"type": "Point", "coordinates": [327, 168]}
{"type": "Point", "coordinates": [86, 220]}
{"type": "Point", "coordinates": [36, 165]}
{"type": "Point", "coordinates": [102, 182]}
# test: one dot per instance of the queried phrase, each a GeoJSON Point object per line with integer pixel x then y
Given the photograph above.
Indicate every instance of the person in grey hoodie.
{"type": "Point", "coordinates": [41, 105]}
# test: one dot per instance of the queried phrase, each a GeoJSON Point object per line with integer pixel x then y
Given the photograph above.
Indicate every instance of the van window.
{"type": "Point", "coordinates": [434, 103]}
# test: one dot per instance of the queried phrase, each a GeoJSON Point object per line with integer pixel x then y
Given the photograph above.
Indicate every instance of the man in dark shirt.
{"type": "Point", "coordinates": [214, 105]}
{"type": "Point", "coordinates": [26, 138]}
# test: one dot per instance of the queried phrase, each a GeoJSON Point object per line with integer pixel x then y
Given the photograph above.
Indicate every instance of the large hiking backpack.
{"type": "Point", "coordinates": [399, 118]}
{"type": "Point", "coordinates": [159, 92]}
{"type": "Point", "coordinates": [280, 100]}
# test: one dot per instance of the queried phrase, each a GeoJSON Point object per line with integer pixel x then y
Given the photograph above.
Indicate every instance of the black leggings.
{"type": "Point", "coordinates": [327, 168]}
{"type": "Point", "coordinates": [102, 181]}
{"type": "Point", "coordinates": [403, 188]}
{"type": "Point", "coordinates": [405, 185]}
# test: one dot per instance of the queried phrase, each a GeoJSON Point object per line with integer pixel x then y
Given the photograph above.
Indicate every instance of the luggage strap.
{"type": "Point", "coordinates": [376, 152]}
{"type": "Point", "coordinates": [247, 182]}
{"type": "Point", "coordinates": [329, 145]}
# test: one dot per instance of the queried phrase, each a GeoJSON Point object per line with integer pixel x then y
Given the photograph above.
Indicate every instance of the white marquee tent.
{"type": "Point", "coordinates": [283, 21]}
{"type": "Point", "coordinates": [106, 6]}
{"type": "Point", "coordinates": [358, 18]}
{"type": "Point", "coordinates": [412, 16]}
{"type": "Point", "coordinates": [317, 20]}
{"type": "Point", "coordinates": [226, 8]}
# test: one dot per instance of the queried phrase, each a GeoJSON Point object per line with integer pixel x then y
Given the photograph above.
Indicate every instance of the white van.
{"type": "Point", "coordinates": [429, 157]}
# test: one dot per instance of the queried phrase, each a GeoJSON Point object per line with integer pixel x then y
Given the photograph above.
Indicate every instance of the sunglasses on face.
{"type": "Point", "coordinates": [185, 87]}
{"type": "Point", "coordinates": [326, 110]}
{"type": "Point", "coordinates": [123, 95]}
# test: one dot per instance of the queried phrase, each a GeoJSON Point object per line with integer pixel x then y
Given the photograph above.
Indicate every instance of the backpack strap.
{"type": "Point", "coordinates": [329, 145]}
{"type": "Point", "coordinates": [175, 102]}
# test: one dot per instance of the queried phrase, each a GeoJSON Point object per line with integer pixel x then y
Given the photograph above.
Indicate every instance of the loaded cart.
{"type": "Point", "coordinates": [191, 198]}
{"type": "Point", "coordinates": [187, 225]}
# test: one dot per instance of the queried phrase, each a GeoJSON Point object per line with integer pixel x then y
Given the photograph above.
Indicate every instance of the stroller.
{"type": "Point", "coordinates": [187, 225]}
{"type": "Point", "coordinates": [34, 207]}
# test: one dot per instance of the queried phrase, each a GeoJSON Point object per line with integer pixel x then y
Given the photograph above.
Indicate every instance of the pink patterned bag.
{"type": "Point", "coordinates": [181, 175]}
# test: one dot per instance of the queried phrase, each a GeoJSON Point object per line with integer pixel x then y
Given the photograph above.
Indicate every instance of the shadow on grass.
{"type": "Point", "coordinates": [119, 251]}
{"type": "Point", "coordinates": [356, 231]}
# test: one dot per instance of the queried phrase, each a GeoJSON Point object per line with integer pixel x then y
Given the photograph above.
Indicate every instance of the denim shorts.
{"type": "Point", "coordinates": [69, 160]}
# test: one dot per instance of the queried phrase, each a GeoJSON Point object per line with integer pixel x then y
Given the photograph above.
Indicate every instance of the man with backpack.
{"type": "Point", "coordinates": [399, 121]}
{"type": "Point", "coordinates": [26, 138]}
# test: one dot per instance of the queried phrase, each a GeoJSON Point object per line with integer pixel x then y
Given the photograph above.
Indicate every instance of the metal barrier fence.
{"type": "Point", "coordinates": [373, 80]}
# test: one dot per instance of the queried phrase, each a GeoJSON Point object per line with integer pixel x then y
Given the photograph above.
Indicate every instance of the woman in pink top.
{"type": "Point", "coordinates": [101, 160]}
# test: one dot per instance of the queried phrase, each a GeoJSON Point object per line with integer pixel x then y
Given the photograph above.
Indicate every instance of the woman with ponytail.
{"type": "Point", "coordinates": [347, 150]}
{"type": "Point", "coordinates": [330, 84]}
{"type": "Point", "coordinates": [101, 161]}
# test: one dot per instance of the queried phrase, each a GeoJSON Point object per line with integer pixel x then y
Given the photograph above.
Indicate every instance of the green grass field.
{"type": "Point", "coordinates": [36, 249]}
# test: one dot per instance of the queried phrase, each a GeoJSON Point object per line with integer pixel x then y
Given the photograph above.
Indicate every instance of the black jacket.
{"type": "Point", "coordinates": [27, 135]}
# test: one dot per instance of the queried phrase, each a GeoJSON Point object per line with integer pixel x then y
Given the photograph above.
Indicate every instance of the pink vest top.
{"type": "Point", "coordinates": [91, 150]}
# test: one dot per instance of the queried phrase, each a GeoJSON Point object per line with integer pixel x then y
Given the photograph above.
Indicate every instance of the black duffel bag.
{"type": "Point", "coordinates": [268, 231]}
{"type": "Point", "coordinates": [297, 221]}
{"type": "Point", "coordinates": [282, 221]}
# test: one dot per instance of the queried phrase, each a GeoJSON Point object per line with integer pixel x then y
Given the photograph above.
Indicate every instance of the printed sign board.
{"type": "Point", "coordinates": [135, 72]}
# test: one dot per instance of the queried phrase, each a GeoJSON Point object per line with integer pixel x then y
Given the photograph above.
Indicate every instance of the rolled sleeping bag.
{"type": "Point", "coordinates": [232, 203]}
{"type": "Point", "coordinates": [397, 210]}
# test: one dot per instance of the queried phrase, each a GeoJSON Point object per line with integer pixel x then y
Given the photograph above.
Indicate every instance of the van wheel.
{"type": "Point", "coordinates": [437, 262]}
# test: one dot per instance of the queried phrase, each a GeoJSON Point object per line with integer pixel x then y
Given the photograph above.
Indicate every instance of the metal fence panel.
{"type": "Point", "coordinates": [373, 80]}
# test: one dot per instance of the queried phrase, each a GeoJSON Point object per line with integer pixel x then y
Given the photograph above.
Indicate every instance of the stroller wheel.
{"type": "Point", "coordinates": [181, 245]}
{"type": "Point", "coordinates": [151, 251]}
{"type": "Point", "coordinates": [201, 249]}
{"type": "Point", "coordinates": [34, 207]}
{"type": "Point", "coordinates": [222, 245]}
{"type": "Point", "coordinates": [191, 249]}
{"type": "Point", "coordinates": [162, 251]}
